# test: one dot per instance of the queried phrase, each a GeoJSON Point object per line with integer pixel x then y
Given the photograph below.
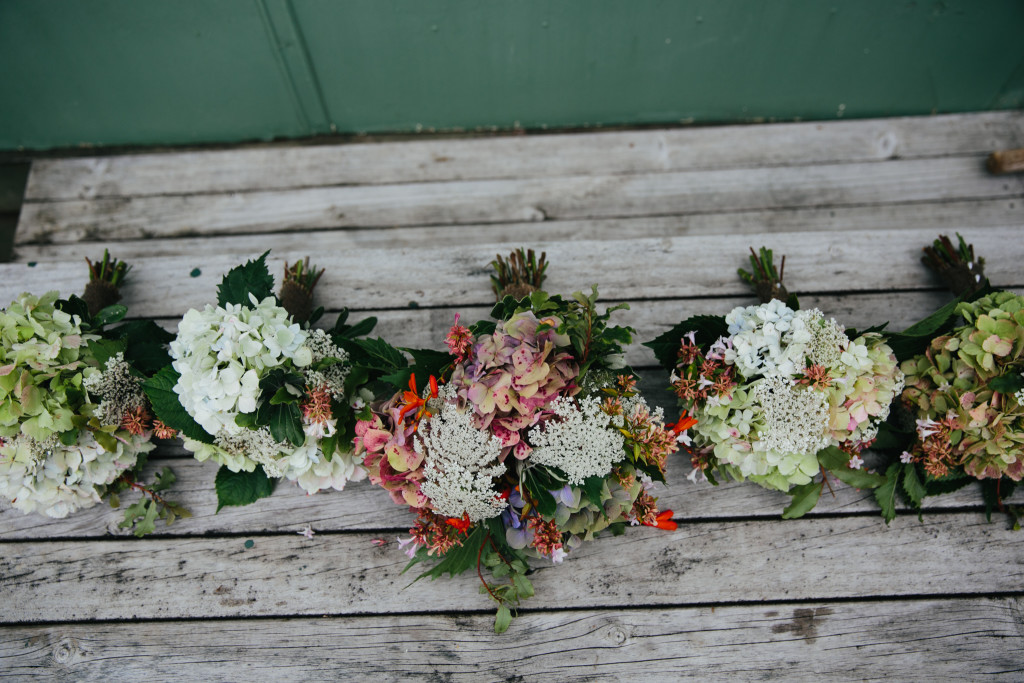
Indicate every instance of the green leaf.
{"type": "Point", "coordinates": [103, 349]}
{"type": "Point", "coordinates": [145, 344]}
{"type": "Point", "coordinates": [110, 314]}
{"type": "Point", "coordinates": [69, 437]}
{"type": "Point", "coordinates": [1009, 383]}
{"type": "Point", "coordinates": [886, 493]}
{"type": "Point", "coordinates": [592, 489]}
{"type": "Point", "coordinates": [285, 422]}
{"type": "Point", "coordinates": [241, 488]}
{"type": "Point", "coordinates": [912, 484]}
{"type": "Point", "coordinates": [954, 481]}
{"type": "Point", "coordinates": [708, 329]}
{"type": "Point", "coordinates": [858, 479]}
{"type": "Point", "coordinates": [458, 559]}
{"type": "Point", "coordinates": [916, 338]}
{"type": "Point", "coordinates": [252, 278]}
{"type": "Point", "coordinates": [832, 458]}
{"type": "Point", "coordinates": [503, 619]}
{"type": "Point", "coordinates": [160, 392]}
{"type": "Point", "coordinates": [524, 588]}
{"type": "Point", "coordinates": [805, 497]}
{"type": "Point", "coordinates": [540, 495]}
{"type": "Point", "coordinates": [375, 354]}
{"type": "Point", "coordinates": [344, 331]}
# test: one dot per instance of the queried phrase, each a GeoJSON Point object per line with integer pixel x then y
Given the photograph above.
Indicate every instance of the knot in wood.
{"type": "Point", "coordinates": [616, 634]}
{"type": "Point", "coordinates": [65, 650]}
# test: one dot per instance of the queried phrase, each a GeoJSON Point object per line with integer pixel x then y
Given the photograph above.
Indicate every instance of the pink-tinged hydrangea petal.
{"type": "Point", "coordinates": [522, 450]}
{"type": "Point", "coordinates": [374, 439]}
{"type": "Point", "coordinates": [402, 459]}
{"type": "Point", "coordinates": [507, 437]}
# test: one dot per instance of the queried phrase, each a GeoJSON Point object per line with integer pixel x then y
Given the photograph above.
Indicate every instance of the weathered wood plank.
{"type": "Point", "coordinates": [533, 156]}
{"type": "Point", "coordinates": [942, 216]}
{"type": "Point", "coordinates": [699, 564]}
{"type": "Point", "coordinates": [364, 507]}
{"type": "Point", "coordinates": [669, 267]}
{"type": "Point", "coordinates": [903, 640]}
{"type": "Point", "coordinates": [516, 200]}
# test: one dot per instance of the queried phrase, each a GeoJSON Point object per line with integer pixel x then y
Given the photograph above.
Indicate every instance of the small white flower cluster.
{"type": "Point", "coordinates": [57, 480]}
{"type": "Point", "coordinates": [321, 346]}
{"type": "Point", "coordinates": [766, 339]}
{"type": "Point", "coordinates": [222, 353]}
{"type": "Point", "coordinates": [581, 440]}
{"type": "Point", "coordinates": [460, 465]}
{"type": "Point", "coordinates": [120, 390]}
{"type": "Point", "coordinates": [796, 420]}
{"type": "Point", "coordinates": [1020, 394]}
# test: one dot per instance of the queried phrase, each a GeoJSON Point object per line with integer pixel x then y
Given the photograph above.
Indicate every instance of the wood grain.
{"type": "Point", "coordinates": [904, 640]}
{"type": "Point", "coordinates": [702, 563]}
{"type": "Point", "coordinates": [534, 156]}
{"type": "Point", "coordinates": [940, 216]}
{"type": "Point", "coordinates": [512, 201]}
{"type": "Point", "coordinates": [662, 268]}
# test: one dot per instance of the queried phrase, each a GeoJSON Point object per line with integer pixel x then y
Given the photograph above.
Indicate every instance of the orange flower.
{"type": "Point", "coordinates": [664, 521]}
{"type": "Point", "coordinates": [461, 525]}
{"type": "Point", "coordinates": [413, 401]}
{"type": "Point", "coordinates": [685, 422]}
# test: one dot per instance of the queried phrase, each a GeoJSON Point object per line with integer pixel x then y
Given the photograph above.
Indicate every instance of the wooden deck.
{"type": "Point", "coordinates": [659, 218]}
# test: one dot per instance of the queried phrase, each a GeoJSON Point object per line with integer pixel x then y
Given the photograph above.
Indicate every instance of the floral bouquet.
{"type": "Point", "coordinates": [528, 439]}
{"type": "Point", "coordinates": [255, 389]}
{"type": "Point", "coordinates": [75, 425]}
{"type": "Point", "coordinates": [962, 411]}
{"type": "Point", "coordinates": [779, 395]}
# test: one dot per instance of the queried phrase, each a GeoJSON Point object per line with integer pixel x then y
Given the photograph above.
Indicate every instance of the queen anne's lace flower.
{"type": "Point", "coordinates": [580, 440]}
{"type": "Point", "coordinates": [333, 376]}
{"type": "Point", "coordinates": [461, 463]}
{"type": "Point", "coordinates": [120, 390]}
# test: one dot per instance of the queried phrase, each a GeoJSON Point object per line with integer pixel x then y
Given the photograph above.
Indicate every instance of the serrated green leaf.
{"type": "Point", "coordinates": [69, 438]}
{"type": "Point", "coordinates": [241, 488]}
{"type": "Point", "coordinates": [858, 479]}
{"type": "Point", "coordinates": [805, 497]}
{"type": "Point", "coordinates": [592, 489]}
{"type": "Point", "coordinates": [286, 423]}
{"type": "Point", "coordinates": [251, 278]}
{"type": "Point", "coordinates": [503, 619]}
{"type": "Point", "coordinates": [458, 559]}
{"type": "Point", "coordinates": [891, 438]}
{"type": "Point", "coordinates": [160, 391]}
{"type": "Point", "coordinates": [886, 493]}
{"type": "Point", "coordinates": [912, 484]}
{"type": "Point", "coordinates": [103, 349]}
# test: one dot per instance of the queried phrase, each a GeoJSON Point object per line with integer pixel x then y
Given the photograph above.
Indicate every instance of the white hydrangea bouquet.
{"type": "Point", "coordinates": [779, 395]}
{"type": "Point", "coordinates": [257, 390]}
{"type": "Point", "coordinates": [528, 439]}
{"type": "Point", "coordinates": [75, 425]}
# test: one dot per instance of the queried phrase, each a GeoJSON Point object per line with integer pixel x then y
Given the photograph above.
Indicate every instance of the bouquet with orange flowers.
{"type": "Point", "coordinates": [528, 438]}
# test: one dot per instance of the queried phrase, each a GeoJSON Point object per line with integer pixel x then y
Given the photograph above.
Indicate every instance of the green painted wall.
{"type": "Point", "coordinates": [106, 72]}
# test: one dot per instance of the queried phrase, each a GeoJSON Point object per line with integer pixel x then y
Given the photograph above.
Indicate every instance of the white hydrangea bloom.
{"type": "Point", "coordinates": [767, 340]}
{"type": "Point", "coordinates": [460, 465]}
{"type": "Point", "coordinates": [581, 440]}
{"type": "Point", "coordinates": [57, 480]}
{"type": "Point", "coordinates": [331, 474]}
{"type": "Point", "coordinates": [222, 353]}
